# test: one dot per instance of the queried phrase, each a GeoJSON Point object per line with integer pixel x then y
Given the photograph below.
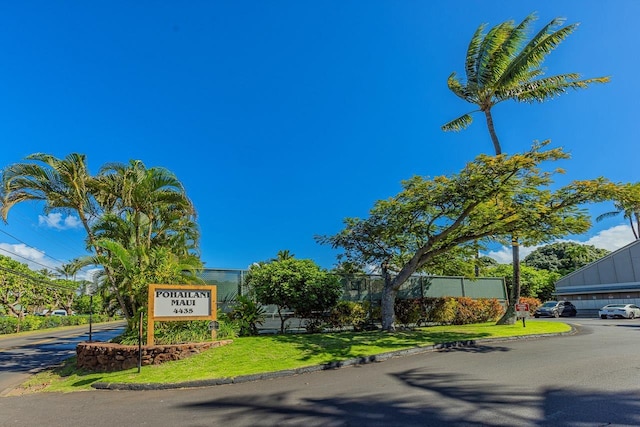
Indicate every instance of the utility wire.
{"type": "Point", "coordinates": [29, 246]}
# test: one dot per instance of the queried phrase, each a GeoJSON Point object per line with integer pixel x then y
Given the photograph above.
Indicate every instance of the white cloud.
{"type": "Point", "coordinates": [56, 221]}
{"type": "Point", "coordinates": [611, 239]}
{"type": "Point", "coordinates": [34, 258]}
{"type": "Point", "coordinates": [21, 252]}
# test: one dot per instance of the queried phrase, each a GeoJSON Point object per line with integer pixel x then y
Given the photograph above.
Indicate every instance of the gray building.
{"type": "Point", "coordinates": [612, 279]}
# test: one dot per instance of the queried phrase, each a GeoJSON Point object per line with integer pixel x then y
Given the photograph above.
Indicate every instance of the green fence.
{"type": "Point", "coordinates": [369, 287]}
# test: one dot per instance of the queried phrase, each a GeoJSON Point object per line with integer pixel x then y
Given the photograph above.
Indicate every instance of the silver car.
{"type": "Point", "coordinates": [612, 311]}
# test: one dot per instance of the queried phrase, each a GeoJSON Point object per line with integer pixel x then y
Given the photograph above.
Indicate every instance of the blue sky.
{"type": "Point", "coordinates": [281, 118]}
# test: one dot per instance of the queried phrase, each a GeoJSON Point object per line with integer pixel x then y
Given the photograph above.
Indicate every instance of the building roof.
{"type": "Point", "coordinates": [617, 271]}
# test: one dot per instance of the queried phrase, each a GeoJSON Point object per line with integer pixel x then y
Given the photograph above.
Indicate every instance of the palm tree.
{"type": "Point", "coordinates": [502, 65]}
{"type": "Point", "coordinates": [62, 184]}
{"type": "Point", "coordinates": [146, 210]}
{"type": "Point", "coordinates": [150, 195]}
{"type": "Point", "coordinates": [499, 66]}
{"type": "Point", "coordinates": [626, 200]}
{"type": "Point", "coordinates": [283, 255]}
{"type": "Point", "coordinates": [68, 270]}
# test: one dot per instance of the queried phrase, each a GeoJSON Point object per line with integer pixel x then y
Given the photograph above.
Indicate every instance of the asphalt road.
{"type": "Point", "coordinates": [24, 354]}
{"type": "Point", "coordinates": [591, 378]}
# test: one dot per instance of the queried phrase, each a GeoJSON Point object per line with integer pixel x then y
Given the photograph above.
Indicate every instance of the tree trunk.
{"type": "Point", "coordinates": [492, 132]}
{"type": "Point", "coordinates": [388, 307]}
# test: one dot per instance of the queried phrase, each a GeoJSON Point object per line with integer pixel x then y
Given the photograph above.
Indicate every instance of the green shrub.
{"type": "Point", "coordinates": [8, 325]}
{"type": "Point", "coordinates": [409, 311]}
{"type": "Point", "coordinates": [182, 332]}
{"type": "Point", "coordinates": [227, 329]}
{"type": "Point", "coordinates": [440, 310]}
{"type": "Point", "coordinates": [346, 314]}
{"type": "Point", "coordinates": [313, 325]}
{"type": "Point", "coordinates": [247, 315]}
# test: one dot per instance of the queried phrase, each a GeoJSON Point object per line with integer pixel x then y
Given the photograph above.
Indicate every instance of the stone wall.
{"type": "Point", "coordinates": [110, 357]}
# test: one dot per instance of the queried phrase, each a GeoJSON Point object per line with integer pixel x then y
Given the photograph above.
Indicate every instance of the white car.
{"type": "Point", "coordinates": [628, 311]}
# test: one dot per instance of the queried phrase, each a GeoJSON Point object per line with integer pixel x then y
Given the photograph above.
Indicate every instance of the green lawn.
{"type": "Point", "coordinates": [270, 353]}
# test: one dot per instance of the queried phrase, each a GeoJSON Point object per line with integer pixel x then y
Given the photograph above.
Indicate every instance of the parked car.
{"type": "Point", "coordinates": [556, 309]}
{"type": "Point", "coordinates": [627, 311]}
{"type": "Point", "coordinates": [59, 313]}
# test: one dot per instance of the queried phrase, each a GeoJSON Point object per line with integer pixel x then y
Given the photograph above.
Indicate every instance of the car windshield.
{"type": "Point", "coordinates": [550, 304]}
{"type": "Point", "coordinates": [615, 306]}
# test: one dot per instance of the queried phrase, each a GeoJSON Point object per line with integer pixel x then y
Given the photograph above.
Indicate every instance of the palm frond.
{"type": "Point", "coordinates": [534, 53]}
{"type": "Point", "coordinates": [543, 89]}
{"type": "Point", "coordinates": [472, 56]}
{"type": "Point", "coordinates": [459, 89]}
{"type": "Point", "coordinates": [511, 46]}
{"type": "Point", "coordinates": [458, 124]}
{"type": "Point", "coordinates": [491, 44]}
{"type": "Point", "coordinates": [607, 215]}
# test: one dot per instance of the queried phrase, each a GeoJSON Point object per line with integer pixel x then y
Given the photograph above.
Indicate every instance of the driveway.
{"type": "Point", "coordinates": [586, 379]}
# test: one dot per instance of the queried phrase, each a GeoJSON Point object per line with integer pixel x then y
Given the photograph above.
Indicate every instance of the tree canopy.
{"type": "Point", "coordinates": [535, 283]}
{"type": "Point", "coordinates": [25, 291]}
{"type": "Point", "coordinates": [492, 197]}
{"type": "Point", "coordinates": [298, 285]}
{"type": "Point", "coordinates": [563, 257]}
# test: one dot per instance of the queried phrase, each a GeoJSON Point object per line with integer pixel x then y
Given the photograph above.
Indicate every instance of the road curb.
{"type": "Point", "coordinates": [315, 368]}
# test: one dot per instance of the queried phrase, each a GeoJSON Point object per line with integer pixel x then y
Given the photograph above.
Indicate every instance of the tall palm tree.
{"type": "Point", "coordinates": [503, 64]}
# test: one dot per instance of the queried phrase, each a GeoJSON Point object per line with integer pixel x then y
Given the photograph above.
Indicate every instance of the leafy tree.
{"type": "Point", "coordinates": [87, 304]}
{"type": "Point", "coordinates": [17, 288]}
{"type": "Point", "coordinates": [503, 64]}
{"type": "Point", "coordinates": [563, 257]}
{"type": "Point", "coordinates": [489, 199]}
{"type": "Point", "coordinates": [25, 291]}
{"type": "Point", "coordinates": [293, 284]}
{"type": "Point", "coordinates": [63, 294]}
{"type": "Point", "coordinates": [626, 199]}
{"type": "Point", "coordinates": [536, 283]}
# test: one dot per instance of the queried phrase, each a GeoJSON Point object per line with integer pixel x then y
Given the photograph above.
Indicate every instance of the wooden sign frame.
{"type": "Point", "coordinates": [182, 298]}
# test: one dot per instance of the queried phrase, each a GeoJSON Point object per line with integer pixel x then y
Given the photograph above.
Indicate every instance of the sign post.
{"type": "Point", "coordinates": [180, 302]}
{"type": "Point", "coordinates": [522, 311]}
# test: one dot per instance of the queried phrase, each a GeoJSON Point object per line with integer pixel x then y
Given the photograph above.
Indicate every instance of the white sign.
{"type": "Point", "coordinates": [181, 302]}
{"type": "Point", "coordinates": [522, 310]}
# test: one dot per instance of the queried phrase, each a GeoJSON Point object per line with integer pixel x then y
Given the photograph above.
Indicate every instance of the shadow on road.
{"type": "Point", "coordinates": [439, 400]}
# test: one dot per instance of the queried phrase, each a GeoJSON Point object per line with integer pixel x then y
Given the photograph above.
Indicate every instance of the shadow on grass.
{"type": "Point", "coordinates": [69, 367]}
{"type": "Point", "coordinates": [342, 345]}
